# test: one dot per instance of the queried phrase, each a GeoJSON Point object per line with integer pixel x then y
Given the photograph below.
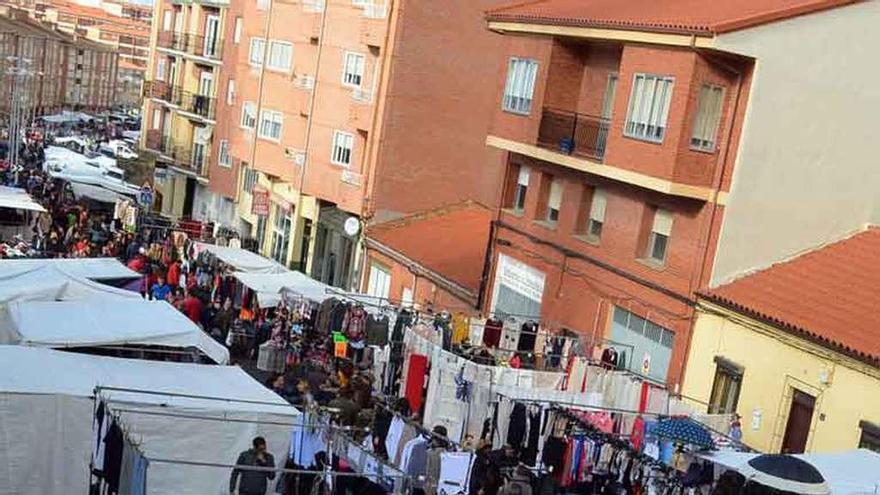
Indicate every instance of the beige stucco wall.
{"type": "Point", "coordinates": [807, 170]}
{"type": "Point", "coordinates": [775, 363]}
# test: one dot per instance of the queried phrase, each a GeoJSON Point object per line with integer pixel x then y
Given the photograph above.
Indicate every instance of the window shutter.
{"type": "Point", "coordinates": [662, 222]}
{"type": "Point", "coordinates": [597, 209]}
{"type": "Point", "coordinates": [523, 179]}
{"type": "Point", "coordinates": [555, 199]}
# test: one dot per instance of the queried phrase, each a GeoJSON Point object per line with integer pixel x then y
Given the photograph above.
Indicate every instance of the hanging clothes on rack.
{"type": "Point", "coordinates": [492, 332]}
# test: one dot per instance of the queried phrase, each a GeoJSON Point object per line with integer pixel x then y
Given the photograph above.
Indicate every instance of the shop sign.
{"type": "Point", "coordinates": [260, 202]}
{"type": "Point", "coordinates": [521, 277]}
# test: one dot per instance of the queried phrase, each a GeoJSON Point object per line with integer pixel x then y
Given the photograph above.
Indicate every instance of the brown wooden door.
{"type": "Point", "coordinates": [800, 416]}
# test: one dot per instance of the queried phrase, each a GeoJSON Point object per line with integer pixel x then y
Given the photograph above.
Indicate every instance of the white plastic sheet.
{"type": "Point", "coordinates": [46, 412]}
{"type": "Point", "coordinates": [855, 472]}
{"type": "Point", "coordinates": [18, 199]}
{"type": "Point", "coordinates": [242, 260]}
{"type": "Point", "coordinates": [52, 282]}
{"type": "Point", "coordinates": [98, 322]}
{"type": "Point", "coordinates": [90, 268]}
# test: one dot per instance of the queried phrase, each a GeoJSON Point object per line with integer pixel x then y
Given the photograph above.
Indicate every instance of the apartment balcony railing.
{"type": "Point", "coordinates": [188, 157]}
{"type": "Point", "coordinates": [573, 133]}
{"type": "Point", "coordinates": [193, 44]}
{"type": "Point", "coordinates": [193, 103]}
{"type": "Point", "coordinates": [201, 105]}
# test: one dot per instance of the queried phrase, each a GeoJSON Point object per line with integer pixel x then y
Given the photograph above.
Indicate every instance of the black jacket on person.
{"type": "Point", "coordinates": [252, 482]}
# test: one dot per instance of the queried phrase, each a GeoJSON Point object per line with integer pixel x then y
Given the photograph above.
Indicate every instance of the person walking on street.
{"type": "Point", "coordinates": [253, 482]}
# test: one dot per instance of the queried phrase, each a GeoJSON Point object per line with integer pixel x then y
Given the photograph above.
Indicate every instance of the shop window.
{"type": "Point", "coordinates": [281, 235]}
{"type": "Point", "coordinates": [725, 387]}
{"type": "Point", "coordinates": [870, 438]}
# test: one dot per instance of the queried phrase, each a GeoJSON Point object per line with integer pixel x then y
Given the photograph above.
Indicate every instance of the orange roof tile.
{"type": "Point", "coordinates": [830, 295]}
{"type": "Point", "coordinates": [700, 17]}
{"type": "Point", "coordinates": [450, 241]}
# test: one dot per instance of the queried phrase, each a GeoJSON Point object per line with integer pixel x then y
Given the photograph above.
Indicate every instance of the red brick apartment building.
{"type": "Point", "coordinates": [647, 155]}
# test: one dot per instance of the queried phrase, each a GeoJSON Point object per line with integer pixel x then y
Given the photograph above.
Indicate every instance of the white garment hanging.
{"type": "Point", "coordinates": [455, 470]}
{"type": "Point", "coordinates": [392, 440]}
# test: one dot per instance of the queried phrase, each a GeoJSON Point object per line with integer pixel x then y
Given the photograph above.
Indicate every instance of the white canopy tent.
{"type": "Point", "coordinates": [103, 323]}
{"type": "Point", "coordinates": [854, 472]}
{"type": "Point", "coordinates": [18, 199]}
{"type": "Point", "coordinates": [46, 410]}
{"type": "Point", "coordinates": [89, 268]}
{"type": "Point", "coordinates": [67, 117]}
{"type": "Point", "coordinates": [240, 259]}
{"type": "Point", "coordinates": [268, 286]}
{"type": "Point", "coordinates": [51, 282]}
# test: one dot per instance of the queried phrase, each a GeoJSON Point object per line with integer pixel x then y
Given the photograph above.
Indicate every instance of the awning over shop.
{"type": "Point", "coordinates": [242, 260]}
{"type": "Point", "coordinates": [89, 268]}
{"type": "Point", "coordinates": [103, 323]}
{"type": "Point", "coordinates": [18, 199]}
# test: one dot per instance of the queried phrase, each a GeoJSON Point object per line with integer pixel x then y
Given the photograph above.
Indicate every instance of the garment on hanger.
{"type": "Point", "coordinates": [377, 330]}
{"type": "Point", "coordinates": [455, 471]}
{"type": "Point", "coordinates": [530, 453]}
{"type": "Point", "coordinates": [492, 332]}
{"type": "Point", "coordinates": [415, 380]}
{"type": "Point", "coordinates": [527, 337]}
{"type": "Point", "coordinates": [460, 328]}
{"type": "Point", "coordinates": [113, 445]}
{"type": "Point", "coordinates": [517, 429]}
{"type": "Point", "coordinates": [392, 439]}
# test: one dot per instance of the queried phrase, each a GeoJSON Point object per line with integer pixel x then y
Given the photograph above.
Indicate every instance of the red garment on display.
{"type": "Point", "coordinates": [415, 380]}
{"type": "Point", "coordinates": [638, 433]}
{"type": "Point", "coordinates": [492, 332]}
{"type": "Point", "coordinates": [643, 399]}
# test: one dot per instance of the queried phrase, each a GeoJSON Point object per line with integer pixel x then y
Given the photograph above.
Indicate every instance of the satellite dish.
{"type": "Point", "coordinates": [352, 226]}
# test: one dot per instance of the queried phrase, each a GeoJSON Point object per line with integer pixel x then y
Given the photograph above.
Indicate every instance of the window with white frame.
{"type": "Point", "coordinates": [520, 86]}
{"type": "Point", "coordinates": [361, 3]}
{"type": "Point", "coordinates": [271, 122]}
{"type": "Point", "coordinates": [554, 201]}
{"type": "Point", "coordinates": [249, 115]}
{"type": "Point", "coordinates": [597, 214]}
{"type": "Point", "coordinates": [707, 118]}
{"type": "Point", "coordinates": [249, 180]}
{"type": "Point", "coordinates": [379, 283]}
{"type": "Point", "coordinates": [353, 70]}
{"type": "Point", "coordinates": [661, 230]}
{"type": "Point", "coordinates": [262, 4]}
{"type": "Point", "coordinates": [521, 188]}
{"type": "Point", "coordinates": [281, 235]}
{"type": "Point", "coordinates": [161, 68]}
{"type": "Point", "coordinates": [166, 20]}
{"type": "Point", "coordinates": [236, 33]}
{"type": "Point", "coordinates": [157, 119]}
{"type": "Point", "coordinates": [223, 158]}
{"type": "Point", "coordinates": [230, 92]}
{"type": "Point", "coordinates": [280, 55]}
{"type": "Point", "coordinates": [258, 47]}
{"type": "Point", "coordinates": [649, 107]}
{"type": "Point", "coordinates": [343, 145]}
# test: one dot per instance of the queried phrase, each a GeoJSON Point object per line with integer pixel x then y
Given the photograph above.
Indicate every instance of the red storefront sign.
{"type": "Point", "coordinates": [260, 202]}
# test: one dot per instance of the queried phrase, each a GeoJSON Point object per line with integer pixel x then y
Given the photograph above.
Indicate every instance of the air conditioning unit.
{"type": "Point", "coordinates": [375, 11]}
{"type": "Point", "coordinates": [295, 155]}
{"type": "Point", "coordinates": [305, 82]}
{"type": "Point", "coordinates": [362, 95]}
{"type": "Point", "coordinates": [314, 5]}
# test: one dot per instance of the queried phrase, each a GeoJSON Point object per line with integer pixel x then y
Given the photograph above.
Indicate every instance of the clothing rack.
{"type": "Point", "coordinates": [415, 424]}
{"type": "Point", "coordinates": [237, 420]}
{"type": "Point", "coordinates": [99, 388]}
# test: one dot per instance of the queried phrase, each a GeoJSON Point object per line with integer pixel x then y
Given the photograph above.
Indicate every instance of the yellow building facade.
{"type": "Point", "coordinates": [771, 377]}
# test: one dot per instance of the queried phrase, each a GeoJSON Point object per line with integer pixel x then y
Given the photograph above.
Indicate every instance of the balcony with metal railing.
{"type": "Point", "coordinates": [192, 44]}
{"type": "Point", "coordinates": [573, 133]}
{"type": "Point", "coordinates": [190, 157]}
{"type": "Point", "coordinates": [193, 104]}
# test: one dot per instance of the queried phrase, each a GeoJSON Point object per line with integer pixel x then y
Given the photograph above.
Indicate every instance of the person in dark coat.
{"type": "Point", "coordinates": [253, 482]}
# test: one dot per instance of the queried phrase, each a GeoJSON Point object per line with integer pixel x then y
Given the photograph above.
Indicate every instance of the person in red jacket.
{"type": "Point", "coordinates": [174, 274]}
{"type": "Point", "coordinates": [192, 307]}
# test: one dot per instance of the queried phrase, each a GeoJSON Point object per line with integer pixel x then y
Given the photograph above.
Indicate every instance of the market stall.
{"type": "Point", "coordinates": [97, 269]}
{"type": "Point", "coordinates": [53, 282]}
{"type": "Point", "coordinates": [123, 325]}
{"type": "Point", "coordinates": [17, 210]}
{"type": "Point", "coordinates": [47, 409]}
{"type": "Point", "coordinates": [240, 259]}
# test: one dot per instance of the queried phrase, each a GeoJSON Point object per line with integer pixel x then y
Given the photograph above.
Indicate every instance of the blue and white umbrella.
{"type": "Point", "coordinates": [685, 430]}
